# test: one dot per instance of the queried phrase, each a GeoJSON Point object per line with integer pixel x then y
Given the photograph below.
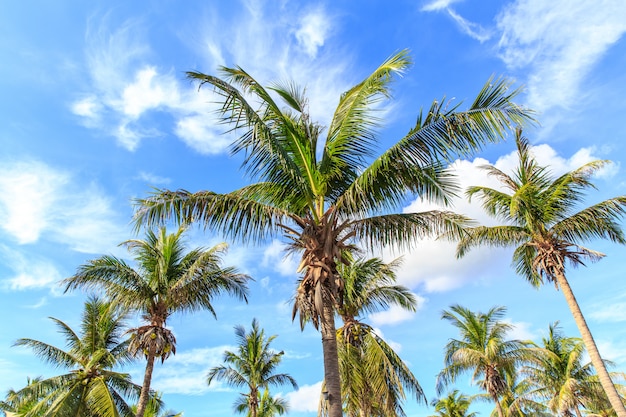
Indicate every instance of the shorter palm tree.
{"type": "Point", "coordinates": [268, 406]}
{"type": "Point", "coordinates": [374, 379]}
{"type": "Point", "coordinates": [252, 366]}
{"type": "Point", "coordinates": [455, 404]}
{"type": "Point", "coordinates": [483, 350]}
{"type": "Point", "coordinates": [169, 280]}
{"type": "Point", "coordinates": [90, 388]}
{"type": "Point", "coordinates": [155, 408]}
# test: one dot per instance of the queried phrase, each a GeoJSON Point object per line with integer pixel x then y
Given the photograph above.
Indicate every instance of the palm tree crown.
{"type": "Point", "coordinates": [455, 404]}
{"type": "Point", "coordinates": [91, 387]}
{"type": "Point", "coordinates": [374, 378]}
{"type": "Point", "coordinates": [545, 224]}
{"type": "Point", "coordinates": [252, 366]}
{"type": "Point", "coordinates": [323, 196]}
{"type": "Point", "coordinates": [483, 350]}
{"type": "Point", "coordinates": [168, 280]}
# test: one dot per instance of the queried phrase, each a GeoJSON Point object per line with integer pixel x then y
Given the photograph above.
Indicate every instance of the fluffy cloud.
{"type": "Point", "coordinates": [306, 398]}
{"type": "Point", "coordinates": [395, 314]}
{"type": "Point", "coordinates": [312, 31]}
{"type": "Point", "coordinates": [186, 372]}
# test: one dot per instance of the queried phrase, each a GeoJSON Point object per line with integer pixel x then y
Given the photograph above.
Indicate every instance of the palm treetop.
{"type": "Point", "coordinates": [543, 216]}
{"type": "Point", "coordinates": [168, 278]}
{"type": "Point", "coordinates": [90, 387]}
{"type": "Point", "coordinates": [281, 148]}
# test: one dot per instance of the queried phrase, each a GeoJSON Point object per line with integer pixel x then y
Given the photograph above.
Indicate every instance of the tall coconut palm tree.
{"type": "Point", "coordinates": [91, 387]}
{"type": "Point", "coordinates": [374, 378]}
{"type": "Point", "coordinates": [544, 222]}
{"type": "Point", "coordinates": [325, 196]}
{"type": "Point", "coordinates": [455, 404]}
{"type": "Point", "coordinates": [252, 366]}
{"type": "Point", "coordinates": [168, 280]}
{"type": "Point", "coordinates": [483, 350]}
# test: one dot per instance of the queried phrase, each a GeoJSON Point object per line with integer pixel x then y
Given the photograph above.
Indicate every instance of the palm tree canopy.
{"type": "Point", "coordinates": [558, 376]}
{"type": "Point", "coordinates": [375, 379]}
{"type": "Point", "coordinates": [281, 154]}
{"type": "Point", "coordinates": [90, 387]}
{"type": "Point", "coordinates": [455, 404]}
{"type": "Point", "coordinates": [168, 279]}
{"type": "Point", "coordinates": [542, 216]}
{"type": "Point", "coordinates": [253, 366]}
{"type": "Point", "coordinates": [481, 349]}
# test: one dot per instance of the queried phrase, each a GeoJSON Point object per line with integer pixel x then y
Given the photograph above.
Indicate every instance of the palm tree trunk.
{"type": "Point", "coordinates": [590, 345]}
{"type": "Point", "coordinates": [331, 361]}
{"type": "Point", "coordinates": [498, 405]}
{"type": "Point", "coordinates": [145, 388]}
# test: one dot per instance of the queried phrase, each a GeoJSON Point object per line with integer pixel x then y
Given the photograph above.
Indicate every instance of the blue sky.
{"type": "Point", "coordinates": [95, 111]}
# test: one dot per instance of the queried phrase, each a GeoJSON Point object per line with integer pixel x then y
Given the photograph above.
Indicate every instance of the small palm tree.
{"type": "Point", "coordinates": [268, 405]}
{"type": "Point", "coordinates": [558, 375]}
{"type": "Point", "coordinates": [455, 404]}
{"type": "Point", "coordinates": [324, 195]}
{"type": "Point", "coordinates": [483, 350]}
{"type": "Point", "coordinates": [168, 280]}
{"type": "Point", "coordinates": [91, 387]}
{"type": "Point", "coordinates": [252, 366]}
{"type": "Point", "coordinates": [374, 378]}
{"type": "Point", "coordinates": [154, 408]}
{"type": "Point", "coordinates": [544, 226]}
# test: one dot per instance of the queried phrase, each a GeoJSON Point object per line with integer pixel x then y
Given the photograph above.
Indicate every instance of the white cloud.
{"type": "Point", "coordinates": [274, 256]}
{"type": "Point", "coordinates": [200, 133]}
{"type": "Point", "coordinates": [559, 42]}
{"type": "Point", "coordinates": [30, 272]}
{"type": "Point", "coordinates": [471, 29]}
{"type": "Point", "coordinates": [437, 5]}
{"type": "Point", "coordinates": [37, 199]}
{"type": "Point", "coordinates": [521, 330]}
{"type": "Point", "coordinates": [148, 91]}
{"type": "Point", "coordinates": [395, 314]}
{"type": "Point", "coordinates": [185, 372]}
{"type": "Point", "coordinates": [27, 191]}
{"type": "Point", "coordinates": [153, 179]}
{"type": "Point", "coordinates": [611, 312]}
{"type": "Point", "coordinates": [312, 31]}
{"type": "Point", "coordinates": [306, 398]}
{"type": "Point", "coordinates": [397, 347]}
{"type": "Point", "coordinates": [87, 107]}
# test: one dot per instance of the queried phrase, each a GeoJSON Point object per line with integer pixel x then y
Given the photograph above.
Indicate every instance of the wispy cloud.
{"type": "Point", "coordinates": [558, 42]}
{"type": "Point", "coordinates": [472, 29]}
{"type": "Point", "coordinates": [128, 88]}
{"type": "Point", "coordinates": [36, 200]}
{"type": "Point", "coordinates": [30, 272]}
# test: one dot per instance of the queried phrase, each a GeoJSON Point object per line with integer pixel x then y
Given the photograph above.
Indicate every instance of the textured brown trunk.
{"type": "Point", "coordinates": [591, 347]}
{"type": "Point", "coordinates": [331, 361]}
{"type": "Point", "coordinates": [145, 388]}
{"type": "Point", "coordinates": [498, 405]}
